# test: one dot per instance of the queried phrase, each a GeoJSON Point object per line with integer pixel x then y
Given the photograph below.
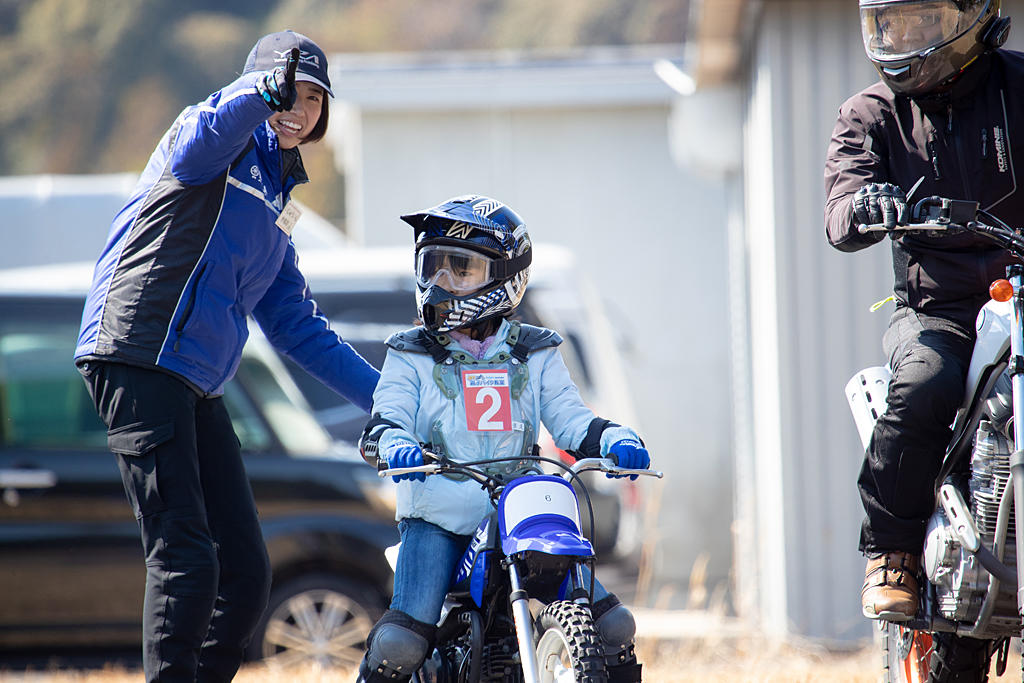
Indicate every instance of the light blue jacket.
{"type": "Point", "coordinates": [408, 395]}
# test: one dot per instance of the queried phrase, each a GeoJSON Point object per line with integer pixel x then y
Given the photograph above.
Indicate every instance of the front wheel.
{"type": "Point", "coordinates": [918, 656]}
{"type": "Point", "coordinates": [906, 653]}
{"type": "Point", "coordinates": [569, 649]}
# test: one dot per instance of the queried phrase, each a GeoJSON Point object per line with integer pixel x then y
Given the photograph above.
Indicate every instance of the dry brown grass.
{"type": "Point", "coordinates": [664, 662]}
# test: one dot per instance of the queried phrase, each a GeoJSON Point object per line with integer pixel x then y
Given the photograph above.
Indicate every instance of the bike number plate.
{"type": "Point", "coordinates": [487, 395]}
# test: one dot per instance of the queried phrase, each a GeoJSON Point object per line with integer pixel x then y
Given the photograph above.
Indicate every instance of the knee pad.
{"type": "Point", "coordinates": [398, 644]}
{"type": "Point", "coordinates": [615, 623]}
{"type": "Point", "coordinates": [617, 627]}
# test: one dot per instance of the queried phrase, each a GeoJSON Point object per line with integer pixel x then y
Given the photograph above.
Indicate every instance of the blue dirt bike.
{"type": "Point", "coordinates": [530, 547]}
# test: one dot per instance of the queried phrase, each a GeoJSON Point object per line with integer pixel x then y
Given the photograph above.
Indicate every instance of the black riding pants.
{"type": "Point", "coordinates": [207, 572]}
{"type": "Point", "coordinates": [929, 358]}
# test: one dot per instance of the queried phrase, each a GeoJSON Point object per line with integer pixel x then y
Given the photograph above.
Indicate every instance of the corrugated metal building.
{"type": "Point", "coordinates": [798, 514]}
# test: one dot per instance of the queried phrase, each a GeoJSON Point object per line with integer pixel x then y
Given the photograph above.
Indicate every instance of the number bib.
{"type": "Point", "coordinates": [487, 396]}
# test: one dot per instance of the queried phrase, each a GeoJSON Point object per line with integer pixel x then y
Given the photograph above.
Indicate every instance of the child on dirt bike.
{"type": "Point", "coordinates": [472, 264]}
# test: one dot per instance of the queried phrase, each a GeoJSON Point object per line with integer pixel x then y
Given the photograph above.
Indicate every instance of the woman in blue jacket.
{"type": "Point", "coordinates": [202, 243]}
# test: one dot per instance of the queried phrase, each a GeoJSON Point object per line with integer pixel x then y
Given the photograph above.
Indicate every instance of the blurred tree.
{"type": "Point", "coordinates": [91, 85]}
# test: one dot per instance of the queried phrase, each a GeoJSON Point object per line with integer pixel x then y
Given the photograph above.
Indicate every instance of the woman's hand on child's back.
{"type": "Point", "coordinates": [629, 454]}
{"type": "Point", "coordinates": [405, 455]}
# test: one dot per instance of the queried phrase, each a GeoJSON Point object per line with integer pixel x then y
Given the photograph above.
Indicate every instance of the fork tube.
{"type": "Point", "coordinates": [524, 626]}
{"type": "Point", "coordinates": [1016, 368]}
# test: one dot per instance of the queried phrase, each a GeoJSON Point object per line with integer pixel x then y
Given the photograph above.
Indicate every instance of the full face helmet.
{"type": "Point", "coordinates": [918, 46]}
{"type": "Point", "coordinates": [473, 257]}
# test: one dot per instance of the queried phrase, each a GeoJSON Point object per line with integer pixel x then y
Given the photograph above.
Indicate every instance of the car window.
{"type": "Point", "coordinates": [43, 400]}
{"type": "Point", "coordinates": [297, 429]}
{"type": "Point", "coordinates": [252, 432]}
{"type": "Point", "coordinates": [397, 307]}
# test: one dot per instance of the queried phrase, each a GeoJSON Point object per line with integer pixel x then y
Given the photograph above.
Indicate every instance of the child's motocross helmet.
{"type": "Point", "coordinates": [473, 257]}
{"type": "Point", "coordinates": [918, 46]}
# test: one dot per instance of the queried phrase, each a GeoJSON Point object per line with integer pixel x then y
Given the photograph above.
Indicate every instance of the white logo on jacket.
{"type": "Point", "coordinates": [999, 142]}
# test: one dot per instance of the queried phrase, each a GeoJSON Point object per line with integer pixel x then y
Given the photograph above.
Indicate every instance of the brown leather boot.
{"type": "Point", "coordinates": [890, 587]}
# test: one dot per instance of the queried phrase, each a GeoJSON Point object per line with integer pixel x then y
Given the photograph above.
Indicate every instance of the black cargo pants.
{"type": "Point", "coordinates": [929, 358]}
{"type": "Point", "coordinates": [207, 572]}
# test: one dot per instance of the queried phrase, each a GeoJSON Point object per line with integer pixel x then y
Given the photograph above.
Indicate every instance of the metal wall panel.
{"type": "Point", "coordinates": [810, 328]}
{"type": "Point", "coordinates": [806, 60]}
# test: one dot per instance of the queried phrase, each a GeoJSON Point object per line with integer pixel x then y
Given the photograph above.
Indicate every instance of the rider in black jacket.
{"type": "Point", "coordinates": [942, 121]}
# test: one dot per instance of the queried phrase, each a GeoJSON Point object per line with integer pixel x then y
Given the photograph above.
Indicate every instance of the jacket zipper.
{"type": "Point", "coordinates": [191, 304]}
{"type": "Point", "coordinates": [959, 151]}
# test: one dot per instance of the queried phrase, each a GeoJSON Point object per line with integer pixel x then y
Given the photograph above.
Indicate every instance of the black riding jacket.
{"type": "Point", "coordinates": [966, 144]}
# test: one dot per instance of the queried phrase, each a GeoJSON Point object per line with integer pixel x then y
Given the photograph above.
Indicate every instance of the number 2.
{"type": "Point", "coordinates": [485, 422]}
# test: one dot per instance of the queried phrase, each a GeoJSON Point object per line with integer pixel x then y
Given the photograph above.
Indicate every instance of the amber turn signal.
{"type": "Point", "coordinates": [1001, 290]}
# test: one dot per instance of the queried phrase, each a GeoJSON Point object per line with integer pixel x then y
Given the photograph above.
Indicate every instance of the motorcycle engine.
{"type": "Point", "coordinates": [959, 580]}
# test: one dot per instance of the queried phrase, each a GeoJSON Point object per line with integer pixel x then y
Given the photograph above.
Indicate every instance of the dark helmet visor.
{"type": "Point", "coordinates": [895, 30]}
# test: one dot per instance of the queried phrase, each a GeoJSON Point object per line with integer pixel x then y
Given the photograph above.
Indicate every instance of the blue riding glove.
{"type": "Point", "coordinates": [277, 87]}
{"type": "Point", "coordinates": [405, 455]}
{"type": "Point", "coordinates": [629, 454]}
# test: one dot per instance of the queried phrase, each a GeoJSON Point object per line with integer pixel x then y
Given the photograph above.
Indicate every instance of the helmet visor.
{"type": "Point", "coordinates": [455, 269]}
{"type": "Point", "coordinates": [894, 30]}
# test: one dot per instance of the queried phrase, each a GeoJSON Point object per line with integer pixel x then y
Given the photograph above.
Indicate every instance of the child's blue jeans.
{"type": "Point", "coordinates": [426, 566]}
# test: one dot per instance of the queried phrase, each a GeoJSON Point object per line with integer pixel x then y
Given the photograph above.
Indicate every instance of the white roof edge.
{"type": "Point", "coordinates": [609, 75]}
{"type": "Point", "coordinates": [45, 185]}
{"type": "Point", "coordinates": [355, 264]}
{"type": "Point", "coordinates": [475, 59]}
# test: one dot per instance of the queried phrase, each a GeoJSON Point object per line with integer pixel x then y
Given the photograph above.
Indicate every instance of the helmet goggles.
{"type": "Point", "coordinates": [894, 30]}
{"type": "Point", "coordinates": [455, 269]}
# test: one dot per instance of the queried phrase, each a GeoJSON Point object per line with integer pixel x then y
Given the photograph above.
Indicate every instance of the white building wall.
{"type": "Point", "coordinates": [594, 173]}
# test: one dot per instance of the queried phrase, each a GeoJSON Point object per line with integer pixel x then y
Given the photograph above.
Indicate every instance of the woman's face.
{"type": "Point", "coordinates": [294, 125]}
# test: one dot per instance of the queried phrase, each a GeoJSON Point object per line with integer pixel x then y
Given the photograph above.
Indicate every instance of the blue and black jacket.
{"type": "Point", "coordinates": [196, 249]}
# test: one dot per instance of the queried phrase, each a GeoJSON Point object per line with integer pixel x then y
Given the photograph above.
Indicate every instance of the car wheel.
{"type": "Point", "coordinates": [319, 620]}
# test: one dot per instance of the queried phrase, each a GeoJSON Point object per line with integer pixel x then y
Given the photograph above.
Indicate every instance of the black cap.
{"type": "Point", "coordinates": [271, 51]}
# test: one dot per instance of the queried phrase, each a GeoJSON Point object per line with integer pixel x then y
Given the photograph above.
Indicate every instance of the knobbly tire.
{"type": "Point", "coordinates": [918, 656]}
{"type": "Point", "coordinates": [569, 648]}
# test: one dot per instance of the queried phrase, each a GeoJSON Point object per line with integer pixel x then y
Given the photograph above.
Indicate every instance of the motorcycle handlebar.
{"type": "Point", "coordinates": [941, 214]}
{"type": "Point", "coordinates": [909, 227]}
{"type": "Point", "coordinates": [606, 465]}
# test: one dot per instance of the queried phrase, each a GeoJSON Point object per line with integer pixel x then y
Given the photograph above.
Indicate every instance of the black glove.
{"type": "Point", "coordinates": [880, 203]}
{"type": "Point", "coordinates": [277, 87]}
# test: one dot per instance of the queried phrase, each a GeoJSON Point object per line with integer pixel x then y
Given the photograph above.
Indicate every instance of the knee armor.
{"type": "Point", "coordinates": [616, 626]}
{"type": "Point", "coordinates": [396, 647]}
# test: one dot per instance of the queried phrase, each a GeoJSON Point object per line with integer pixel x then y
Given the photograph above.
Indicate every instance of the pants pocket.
{"type": "Point", "coordinates": [135, 447]}
{"type": "Point", "coordinates": [139, 438]}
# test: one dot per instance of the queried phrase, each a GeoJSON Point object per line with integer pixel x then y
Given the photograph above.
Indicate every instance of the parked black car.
{"type": "Point", "coordinates": [70, 557]}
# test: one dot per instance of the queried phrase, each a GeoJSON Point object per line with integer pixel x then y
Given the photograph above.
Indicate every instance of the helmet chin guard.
{"type": "Point", "coordinates": [461, 239]}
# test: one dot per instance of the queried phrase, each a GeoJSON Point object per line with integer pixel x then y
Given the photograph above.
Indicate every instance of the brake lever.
{"type": "Point", "coordinates": [608, 466]}
{"type": "Point", "coordinates": [431, 468]}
